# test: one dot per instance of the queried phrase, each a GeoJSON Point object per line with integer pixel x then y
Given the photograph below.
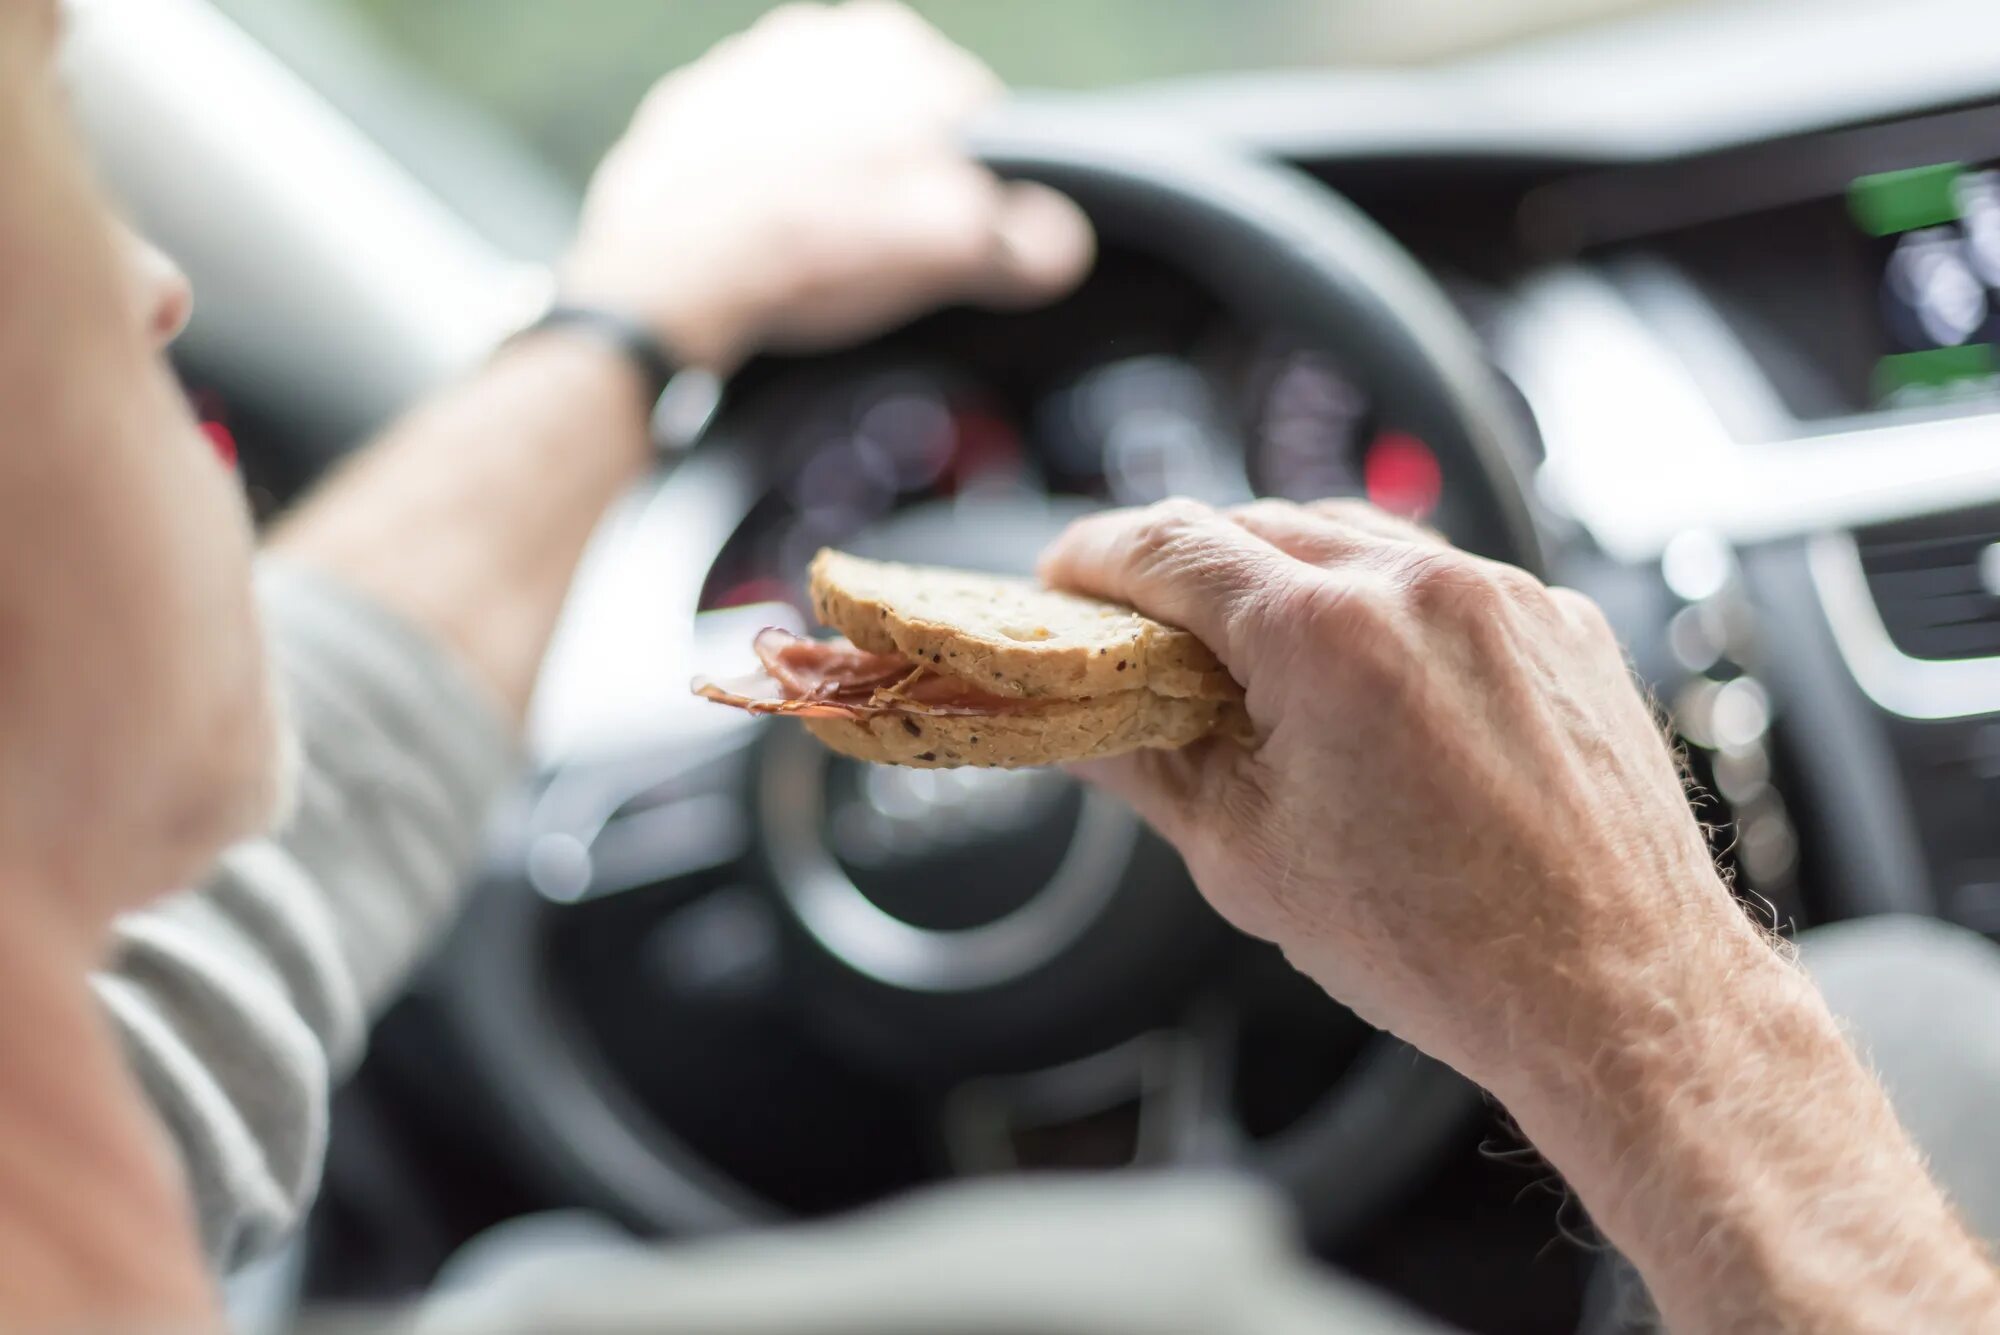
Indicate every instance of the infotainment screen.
{"type": "Point", "coordinates": [1934, 238]}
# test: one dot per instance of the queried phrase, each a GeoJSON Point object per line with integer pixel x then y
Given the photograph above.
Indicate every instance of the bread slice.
{"type": "Point", "coordinates": [1010, 637]}
{"type": "Point", "coordinates": [1050, 734]}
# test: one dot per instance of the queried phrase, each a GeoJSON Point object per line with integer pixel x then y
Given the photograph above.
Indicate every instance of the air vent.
{"type": "Point", "coordinates": [1936, 583]}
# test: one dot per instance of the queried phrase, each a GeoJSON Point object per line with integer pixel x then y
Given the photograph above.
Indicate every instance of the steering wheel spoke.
{"type": "Point", "coordinates": [615, 826]}
{"type": "Point", "coordinates": [1162, 1097]}
{"type": "Point", "coordinates": [1189, 1110]}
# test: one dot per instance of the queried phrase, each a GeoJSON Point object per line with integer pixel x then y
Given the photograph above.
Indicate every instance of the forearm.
{"type": "Point", "coordinates": [468, 518]}
{"type": "Point", "coordinates": [1724, 1135]}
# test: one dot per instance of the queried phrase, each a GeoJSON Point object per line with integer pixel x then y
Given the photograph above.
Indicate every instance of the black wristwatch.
{"type": "Point", "coordinates": [682, 399]}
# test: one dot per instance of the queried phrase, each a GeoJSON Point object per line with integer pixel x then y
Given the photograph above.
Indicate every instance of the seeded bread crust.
{"type": "Point", "coordinates": [1053, 733]}
{"type": "Point", "coordinates": [1010, 637]}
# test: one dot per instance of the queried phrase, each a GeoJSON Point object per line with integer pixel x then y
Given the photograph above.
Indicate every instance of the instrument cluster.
{"type": "Point", "coordinates": [1232, 417]}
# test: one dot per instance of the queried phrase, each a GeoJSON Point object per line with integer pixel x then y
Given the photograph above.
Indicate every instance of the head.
{"type": "Point", "coordinates": [138, 728]}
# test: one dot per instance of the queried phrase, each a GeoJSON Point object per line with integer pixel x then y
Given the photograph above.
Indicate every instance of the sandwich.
{"type": "Point", "coordinates": [939, 668]}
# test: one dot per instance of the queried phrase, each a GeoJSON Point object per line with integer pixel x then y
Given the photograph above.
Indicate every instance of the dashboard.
{"type": "Point", "coordinates": [1860, 268]}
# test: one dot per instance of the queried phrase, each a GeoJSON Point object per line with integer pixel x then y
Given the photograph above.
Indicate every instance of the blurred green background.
{"type": "Point", "coordinates": [564, 74]}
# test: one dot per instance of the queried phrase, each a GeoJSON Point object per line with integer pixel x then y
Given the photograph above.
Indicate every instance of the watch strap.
{"type": "Point", "coordinates": [630, 337]}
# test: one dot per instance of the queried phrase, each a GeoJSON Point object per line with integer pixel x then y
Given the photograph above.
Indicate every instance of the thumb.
{"type": "Point", "coordinates": [1158, 785]}
{"type": "Point", "coordinates": [1043, 245]}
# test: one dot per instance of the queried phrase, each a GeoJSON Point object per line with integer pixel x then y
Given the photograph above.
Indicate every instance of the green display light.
{"type": "Point", "coordinates": [1934, 368]}
{"type": "Point", "coordinates": [1902, 201]}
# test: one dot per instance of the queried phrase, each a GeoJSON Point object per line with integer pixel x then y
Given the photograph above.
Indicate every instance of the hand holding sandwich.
{"type": "Point", "coordinates": [1458, 815]}
{"type": "Point", "coordinates": [1451, 762]}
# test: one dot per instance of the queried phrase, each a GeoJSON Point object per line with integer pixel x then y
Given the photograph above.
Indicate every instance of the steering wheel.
{"type": "Point", "coordinates": [1026, 978]}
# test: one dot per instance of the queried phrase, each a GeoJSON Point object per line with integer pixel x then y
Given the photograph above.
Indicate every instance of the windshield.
{"type": "Point", "coordinates": [564, 74]}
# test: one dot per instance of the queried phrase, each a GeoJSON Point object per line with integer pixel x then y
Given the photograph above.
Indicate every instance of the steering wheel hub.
{"type": "Point", "coordinates": [885, 822]}
{"type": "Point", "coordinates": [937, 880]}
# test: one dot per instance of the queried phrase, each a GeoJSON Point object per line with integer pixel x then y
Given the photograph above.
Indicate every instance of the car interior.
{"type": "Point", "coordinates": [1694, 309]}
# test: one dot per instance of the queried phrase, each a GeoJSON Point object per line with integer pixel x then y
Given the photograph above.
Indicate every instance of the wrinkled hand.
{"type": "Point", "coordinates": [1460, 817]}
{"type": "Point", "coordinates": [802, 184]}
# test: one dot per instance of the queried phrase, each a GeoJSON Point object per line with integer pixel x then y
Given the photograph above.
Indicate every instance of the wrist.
{"type": "Point", "coordinates": [612, 392]}
{"type": "Point", "coordinates": [697, 328]}
{"type": "Point", "coordinates": [1626, 1008]}
{"type": "Point", "coordinates": [631, 339]}
{"type": "Point", "coordinates": [707, 336]}
{"type": "Point", "coordinates": [1644, 1039]}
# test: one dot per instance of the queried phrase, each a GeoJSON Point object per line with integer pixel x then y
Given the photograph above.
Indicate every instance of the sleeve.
{"type": "Point", "coordinates": [242, 1002]}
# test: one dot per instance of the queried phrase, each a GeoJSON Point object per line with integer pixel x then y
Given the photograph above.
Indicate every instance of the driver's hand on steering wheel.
{"type": "Point", "coordinates": [802, 184]}
{"type": "Point", "coordinates": [1460, 816]}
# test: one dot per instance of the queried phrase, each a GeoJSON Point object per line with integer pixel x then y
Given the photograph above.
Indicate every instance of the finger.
{"type": "Point", "coordinates": [926, 236]}
{"type": "Point", "coordinates": [964, 82]}
{"type": "Point", "coordinates": [1364, 515]}
{"type": "Point", "coordinates": [1181, 562]}
{"type": "Point", "coordinates": [1158, 785]}
{"type": "Point", "coordinates": [1182, 794]}
{"type": "Point", "coordinates": [1298, 532]}
{"type": "Point", "coordinates": [1042, 245]}
{"type": "Point", "coordinates": [1584, 615]}
{"type": "Point", "coordinates": [939, 222]}
{"type": "Point", "coordinates": [1328, 533]}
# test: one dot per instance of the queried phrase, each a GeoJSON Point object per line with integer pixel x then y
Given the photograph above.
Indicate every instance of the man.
{"type": "Point", "coordinates": [139, 733]}
{"type": "Point", "coordinates": [140, 736]}
{"type": "Point", "coordinates": [1490, 855]}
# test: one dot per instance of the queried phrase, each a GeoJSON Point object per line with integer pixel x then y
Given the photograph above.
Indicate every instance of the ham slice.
{"type": "Point", "coordinates": [811, 678]}
{"type": "Point", "coordinates": [819, 669]}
